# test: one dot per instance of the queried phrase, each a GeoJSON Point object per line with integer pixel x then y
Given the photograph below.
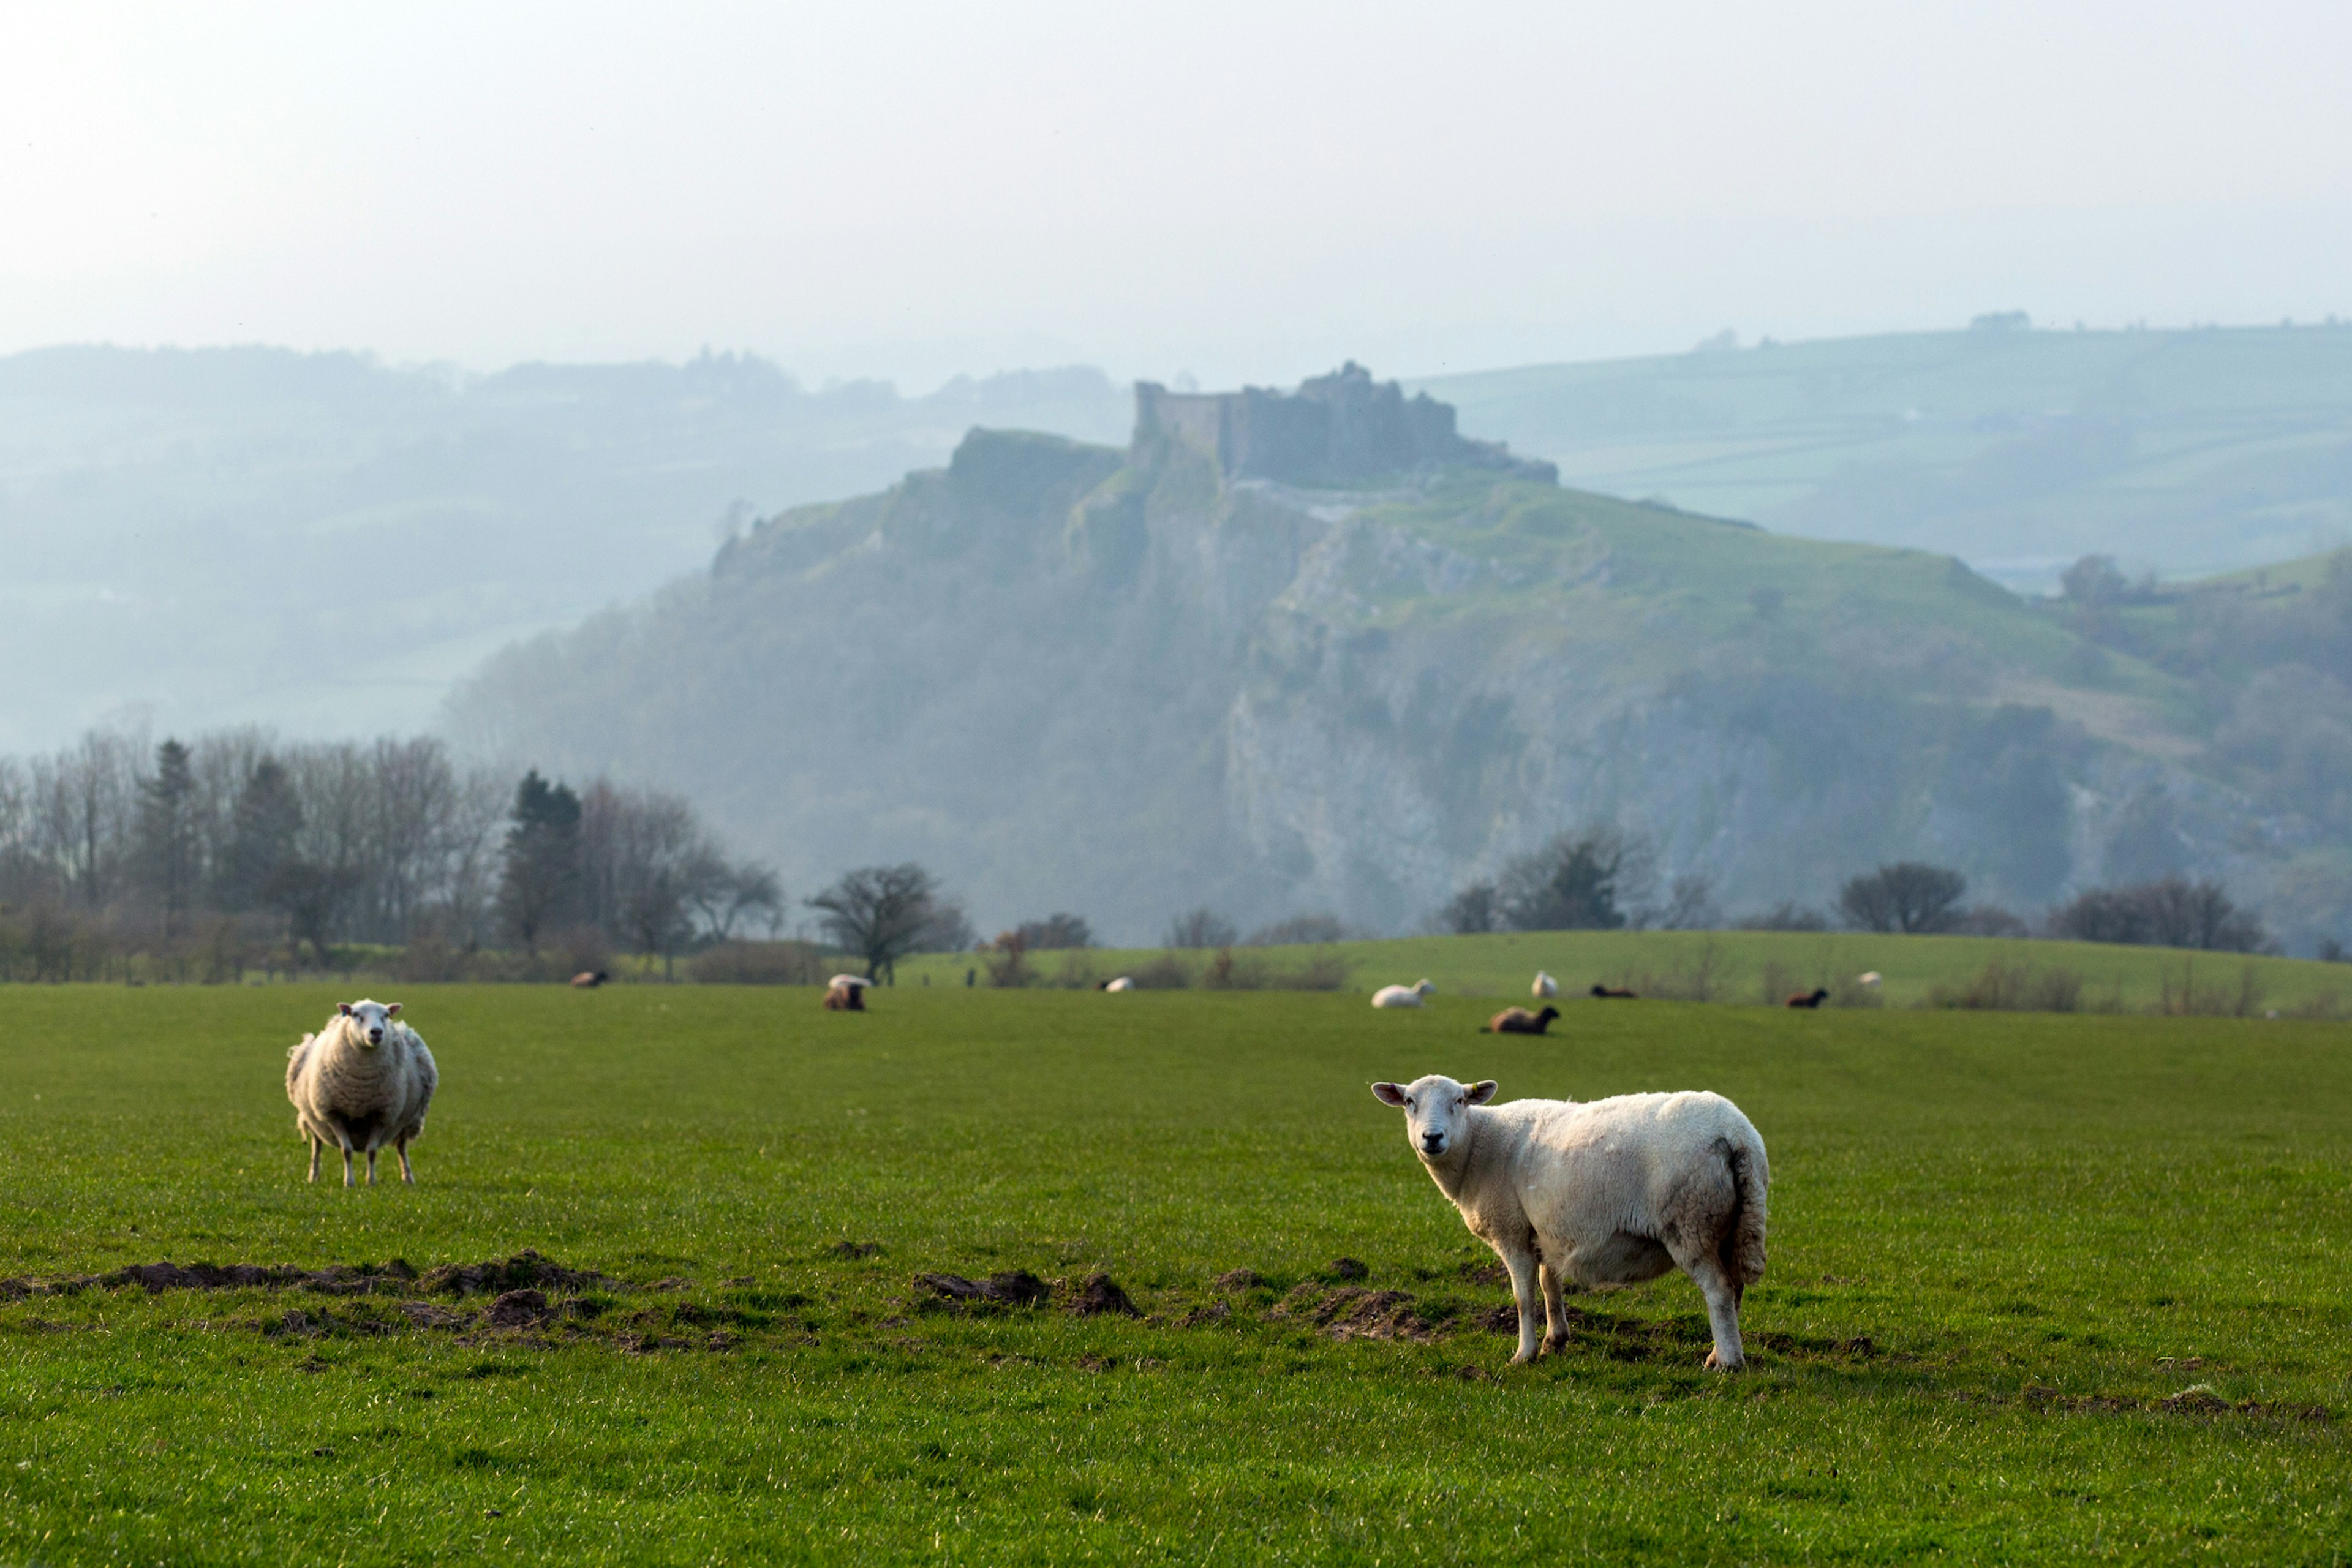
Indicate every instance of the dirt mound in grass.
{"type": "Point", "coordinates": [1239, 1280]}
{"type": "Point", "coordinates": [1013, 1287]}
{"type": "Point", "coordinates": [518, 1309]}
{"type": "Point", "coordinates": [1353, 1312]}
{"type": "Point", "coordinates": [1098, 1294]}
{"type": "Point", "coordinates": [343, 1279]}
{"type": "Point", "coordinates": [526, 1271]}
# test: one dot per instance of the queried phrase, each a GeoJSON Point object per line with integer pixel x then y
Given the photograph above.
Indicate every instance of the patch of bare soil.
{"type": "Point", "coordinates": [1097, 1295]}
{"type": "Point", "coordinates": [158, 1277]}
{"type": "Point", "coordinates": [526, 1271]}
{"type": "Point", "coordinates": [1353, 1312]}
{"type": "Point", "coordinates": [1239, 1280]}
{"type": "Point", "coordinates": [518, 1309]}
{"type": "Point", "coordinates": [1013, 1287]}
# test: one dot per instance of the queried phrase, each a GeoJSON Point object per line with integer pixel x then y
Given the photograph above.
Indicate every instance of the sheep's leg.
{"type": "Point", "coordinates": [1555, 1314]}
{"type": "Point", "coordinates": [1722, 1312]}
{"type": "Point", "coordinates": [406, 1174]}
{"type": "Point", "coordinates": [1520, 1260]}
{"type": "Point", "coordinates": [371, 1153]}
{"type": "Point", "coordinates": [347, 1164]}
{"type": "Point", "coordinates": [317, 1146]}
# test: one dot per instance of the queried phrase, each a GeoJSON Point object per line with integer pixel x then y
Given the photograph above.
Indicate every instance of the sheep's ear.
{"type": "Point", "coordinates": [344, 1008]}
{"type": "Point", "coordinates": [1482, 1091]}
{"type": "Point", "coordinates": [391, 1009]}
{"type": "Point", "coordinates": [1389, 1094]}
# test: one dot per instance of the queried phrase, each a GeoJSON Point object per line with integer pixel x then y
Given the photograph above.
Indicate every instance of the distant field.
{"type": "Point", "coordinates": [1738, 965]}
{"type": "Point", "coordinates": [2043, 1288]}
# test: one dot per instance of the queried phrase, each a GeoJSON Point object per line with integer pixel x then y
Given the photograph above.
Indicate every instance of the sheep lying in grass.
{"type": "Point", "coordinates": [1519, 1021]}
{"type": "Point", "coordinates": [1612, 1192]}
{"type": "Point", "coordinates": [365, 1081]}
{"type": "Point", "coordinates": [1403, 996]}
{"type": "Point", "coordinates": [1545, 988]}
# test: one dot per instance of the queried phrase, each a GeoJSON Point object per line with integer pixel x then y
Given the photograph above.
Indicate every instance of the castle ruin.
{"type": "Point", "coordinates": [1335, 431]}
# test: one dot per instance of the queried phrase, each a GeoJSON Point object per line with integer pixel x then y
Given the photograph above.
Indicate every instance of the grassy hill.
{"type": "Point", "coordinates": [2189, 452]}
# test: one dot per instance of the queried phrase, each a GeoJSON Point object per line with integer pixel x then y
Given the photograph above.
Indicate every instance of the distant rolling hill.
{"type": "Point", "coordinates": [2186, 453]}
{"type": "Point", "coordinates": [1130, 681]}
{"type": "Point", "coordinates": [324, 543]}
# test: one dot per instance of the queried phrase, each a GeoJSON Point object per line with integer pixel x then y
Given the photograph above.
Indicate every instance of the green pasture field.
{"type": "Point", "coordinates": [2043, 1288]}
{"type": "Point", "coordinates": [1501, 966]}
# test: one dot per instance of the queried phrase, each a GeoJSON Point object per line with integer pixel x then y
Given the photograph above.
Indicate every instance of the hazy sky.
{"type": "Point", "coordinates": [1246, 191]}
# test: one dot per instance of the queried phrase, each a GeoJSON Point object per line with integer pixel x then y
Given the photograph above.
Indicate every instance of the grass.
{"type": "Point", "coordinates": [2005, 1249]}
{"type": "Point", "coordinates": [1754, 966]}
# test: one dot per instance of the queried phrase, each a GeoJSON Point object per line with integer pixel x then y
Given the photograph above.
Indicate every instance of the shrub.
{"type": "Point", "coordinates": [1167, 972]}
{"type": "Point", "coordinates": [1056, 931]}
{"type": "Point", "coordinates": [764, 964]}
{"type": "Point", "coordinates": [2008, 988]}
{"type": "Point", "coordinates": [1300, 930]}
{"type": "Point", "coordinates": [1008, 960]}
{"type": "Point", "coordinates": [1788, 915]}
{"type": "Point", "coordinates": [1473, 911]}
{"type": "Point", "coordinates": [2172, 912]}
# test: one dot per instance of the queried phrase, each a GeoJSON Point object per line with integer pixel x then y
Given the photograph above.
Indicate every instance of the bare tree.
{"type": "Point", "coordinates": [1202, 928]}
{"type": "Point", "coordinates": [1905, 897]}
{"type": "Point", "coordinates": [880, 913]}
{"type": "Point", "coordinates": [1690, 904]}
{"type": "Point", "coordinates": [1578, 881]}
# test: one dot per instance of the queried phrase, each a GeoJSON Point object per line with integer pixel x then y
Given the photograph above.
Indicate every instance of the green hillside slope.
{"type": "Point", "coordinates": [2190, 452]}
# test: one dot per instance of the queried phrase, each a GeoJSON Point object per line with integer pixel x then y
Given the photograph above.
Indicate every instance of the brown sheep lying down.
{"type": "Point", "coordinates": [844, 999]}
{"type": "Point", "coordinates": [1810, 999]}
{"type": "Point", "coordinates": [1519, 1021]}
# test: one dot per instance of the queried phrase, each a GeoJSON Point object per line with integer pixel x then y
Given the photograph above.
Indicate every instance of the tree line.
{"type": "Point", "coordinates": [200, 851]}
{"type": "Point", "coordinates": [1602, 879]}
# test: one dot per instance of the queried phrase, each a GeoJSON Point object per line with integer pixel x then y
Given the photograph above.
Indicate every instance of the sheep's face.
{"type": "Point", "coordinates": [1434, 1108]}
{"type": "Point", "coordinates": [369, 1019]}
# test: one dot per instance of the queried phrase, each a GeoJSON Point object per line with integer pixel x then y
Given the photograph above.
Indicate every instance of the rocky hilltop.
{"type": "Point", "coordinates": [1264, 661]}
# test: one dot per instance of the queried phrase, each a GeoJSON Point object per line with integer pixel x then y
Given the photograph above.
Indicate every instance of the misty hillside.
{"type": "Point", "coordinates": [2184, 453]}
{"type": "Point", "coordinates": [1130, 681]}
{"type": "Point", "coordinates": [324, 543]}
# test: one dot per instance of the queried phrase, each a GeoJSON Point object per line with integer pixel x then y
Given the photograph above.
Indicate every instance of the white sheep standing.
{"type": "Point", "coordinates": [1545, 987]}
{"type": "Point", "coordinates": [1403, 996]}
{"type": "Point", "coordinates": [365, 1081]}
{"type": "Point", "coordinates": [1610, 1192]}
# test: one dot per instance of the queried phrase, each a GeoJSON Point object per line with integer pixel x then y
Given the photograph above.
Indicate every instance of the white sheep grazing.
{"type": "Point", "coordinates": [1612, 1192]}
{"type": "Point", "coordinates": [855, 982]}
{"type": "Point", "coordinates": [1545, 987]}
{"type": "Point", "coordinates": [365, 1081]}
{"type": "Point", "coordinates": [1123, 983]}
{"type": "Point", "coordinates": [1403, 996]}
